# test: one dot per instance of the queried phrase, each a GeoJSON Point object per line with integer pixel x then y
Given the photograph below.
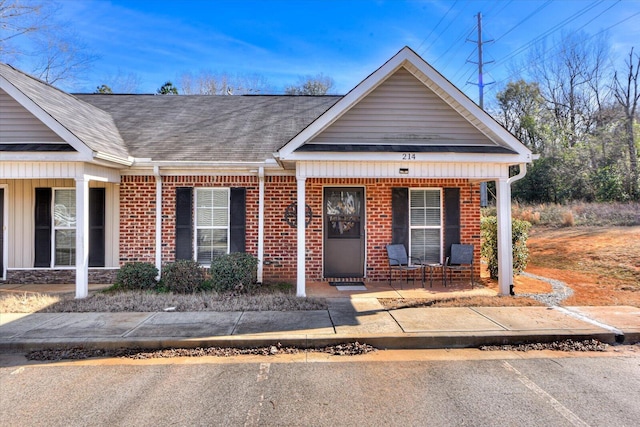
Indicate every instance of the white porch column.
{"type": "Point", "coordinates": [82, 237]}
{"type": "Point", "coordinates": [505, 248]}
{"type": "Point", "coordinates": [260, 223]}
{"type": "Point", "coordinates": [301, 283]}
{"type": "Point", "coordinates": [156, 172]}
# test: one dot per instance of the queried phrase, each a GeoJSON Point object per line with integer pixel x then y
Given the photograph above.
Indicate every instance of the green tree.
{"type": "Point", "coordinates": [104, 89]}
{"type": "Point", "coordinates": [522, 113]}
{"type": "Point", "coordinates": [167, 89]}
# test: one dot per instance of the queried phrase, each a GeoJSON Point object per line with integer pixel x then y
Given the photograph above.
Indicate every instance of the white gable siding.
{"type": "Point", "coordinates": [402, 111]}
{"type": "Point", "coordinates": [17, 124]}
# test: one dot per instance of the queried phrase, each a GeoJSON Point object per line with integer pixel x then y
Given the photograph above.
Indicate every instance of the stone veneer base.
{"type": "Point", "coordinates": [100, 276]}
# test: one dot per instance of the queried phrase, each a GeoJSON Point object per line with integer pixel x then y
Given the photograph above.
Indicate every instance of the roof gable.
{"type": "Point", "coordinates": [405, 105]}
{"type": "Point", "coordinates": [89, 130]}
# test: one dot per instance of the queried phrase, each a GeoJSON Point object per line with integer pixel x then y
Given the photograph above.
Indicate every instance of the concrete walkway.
{"type": "Point", "coordinates": [347, 319]}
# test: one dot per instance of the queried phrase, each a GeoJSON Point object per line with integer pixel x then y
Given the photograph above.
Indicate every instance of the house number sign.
{"type": "Point", "coordinates": [291, 215]}
{"type": "Point", "coordinates": [408, 156]}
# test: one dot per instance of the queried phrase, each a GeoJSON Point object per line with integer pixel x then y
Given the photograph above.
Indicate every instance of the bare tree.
{"type": "Point", "coordinates": [32, 33]}
{"type": "Point", "coordinates": [122, 82]}
{"type": "Point", "coordinates": [625, 90]}
{"type": "Point", "coordinates": [210, 83]}
{"type": "Point", "coordinates": [60, 56]}
{"type": "Point", "coordinates": [18, 18]}
{"type": "Point", "coordinates": [571, 79]}
{"type": "Point", "coordinates": [311, 85]}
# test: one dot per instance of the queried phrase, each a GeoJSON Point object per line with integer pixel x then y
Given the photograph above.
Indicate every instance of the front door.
{"type": "Point", "coordinates": [344, 239]}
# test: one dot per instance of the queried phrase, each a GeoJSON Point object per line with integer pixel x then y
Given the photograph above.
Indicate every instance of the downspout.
{"type": "Point", "coordinates": [260, 224]}
{"type": "Point", "coordinates": [519, 176]}
{"type": "Point", "coordinates": [156, 173]}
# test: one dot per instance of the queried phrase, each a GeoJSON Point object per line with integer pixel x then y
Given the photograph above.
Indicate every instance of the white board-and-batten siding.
{"type": "Point", "coordinates": [410, 169]}
{"type": "Point", "coordinates": [402, 111]}
{"type": "Point", "coordinates": [20, 197]}
{"type": "Point", "coordinates": [18, 125]}
{"type": "Point", "coordinates": [56, 170]}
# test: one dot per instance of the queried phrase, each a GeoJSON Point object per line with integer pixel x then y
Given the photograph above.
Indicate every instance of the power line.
{"type": "Point", "coordinates": [541, 7]}
{"type": "Point", "coordinates": [552, 51]}
{"type": "Point", "coordinates": [437, 25]}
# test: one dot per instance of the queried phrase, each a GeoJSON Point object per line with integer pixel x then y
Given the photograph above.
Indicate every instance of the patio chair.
{"type": "Point", "coordinates": [399, 261]}
{"type": "Point", "coordinates": [461, 259]}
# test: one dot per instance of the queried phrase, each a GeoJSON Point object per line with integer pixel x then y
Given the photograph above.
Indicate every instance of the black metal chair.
{"type": "Point", "coordinates": [461, 259]}
{"type": "Point", "coordinates": [399, 261]}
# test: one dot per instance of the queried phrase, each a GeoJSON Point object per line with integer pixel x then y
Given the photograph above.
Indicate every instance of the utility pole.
{"type": "Point", "coordinates": [480, 62]}
{"type": "Point", "coordinates": [480, 42]}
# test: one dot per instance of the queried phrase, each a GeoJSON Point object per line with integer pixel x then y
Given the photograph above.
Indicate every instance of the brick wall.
{"type": "Point", "coordinates": [137, 222]}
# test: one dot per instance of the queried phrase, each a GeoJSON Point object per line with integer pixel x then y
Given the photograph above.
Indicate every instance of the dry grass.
{"type": "Point", "coordinates": [476, 301]}
{"type": "Point", "coordinates": [151, 302]}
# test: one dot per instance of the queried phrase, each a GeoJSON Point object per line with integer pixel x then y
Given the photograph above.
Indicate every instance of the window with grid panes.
{"type": "Point", "coordinates": [211, 223]}
{"type": "Point", "coordinates": [425, 224]}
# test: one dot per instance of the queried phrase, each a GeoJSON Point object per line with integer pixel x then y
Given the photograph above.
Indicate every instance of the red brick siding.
{"type": "Point", "coordinates": [137, 219]}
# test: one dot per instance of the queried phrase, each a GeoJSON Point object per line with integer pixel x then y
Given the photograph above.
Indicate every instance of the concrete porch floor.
{"type": "Point", "coordinates": [399, 290]}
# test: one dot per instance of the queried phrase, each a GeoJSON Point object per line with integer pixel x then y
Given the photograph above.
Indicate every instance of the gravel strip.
{"type": "Point", "coordinates": [568, 345]}
{"type": "Point", "coordinates": [77, 353]}
{"type": "Point", "coordinates": [559, 291]}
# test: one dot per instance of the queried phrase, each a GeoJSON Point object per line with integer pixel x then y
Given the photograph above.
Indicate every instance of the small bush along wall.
{"type": "Point", "coordinates": [137, 275]}
{"type": "Point", "coordinates": [489, 248]}
{"type": "Point", "coordinates": [182, 277]}
{"type": "Point", "coordinates": [234, 272]}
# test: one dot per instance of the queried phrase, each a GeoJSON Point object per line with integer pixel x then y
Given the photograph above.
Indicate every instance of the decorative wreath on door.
{"type": "Point", "coordinates": [291, 215]}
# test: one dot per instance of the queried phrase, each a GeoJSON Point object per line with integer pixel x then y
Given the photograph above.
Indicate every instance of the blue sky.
{"type": "Point", "coordinates": [346, 40]}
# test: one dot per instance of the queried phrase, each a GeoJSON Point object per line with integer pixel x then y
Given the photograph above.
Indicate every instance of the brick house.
{"type": "Point", "coordinates": [90, 182]}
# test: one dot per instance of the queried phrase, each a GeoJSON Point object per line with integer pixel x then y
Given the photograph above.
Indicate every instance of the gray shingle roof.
{"type": "Point", "coordinates": [207, 127]}
{"type": "Point", "coordinates": [94, 127]}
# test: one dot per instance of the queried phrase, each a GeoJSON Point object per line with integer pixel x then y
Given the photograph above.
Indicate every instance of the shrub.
{"type": "Point", "coordinates": [234, 272]}
{"type": "Point", "coordinates": [137, 275]}
{"type": "Point", "coordinates": [489, 248]}
{"type": "Point", "coordinates": [182, 277]}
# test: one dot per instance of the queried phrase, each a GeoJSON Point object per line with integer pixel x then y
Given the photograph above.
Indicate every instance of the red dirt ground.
{"type": "Point", "coordinates": [600, 264]}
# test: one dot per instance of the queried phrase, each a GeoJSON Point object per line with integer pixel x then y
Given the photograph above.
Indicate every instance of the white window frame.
{"type": "Point", "coordinates": [196, 227]}
{"type": "Point", "coordinates": [428, 227]}
{"type": "Point", "coordinates": [55, 228]}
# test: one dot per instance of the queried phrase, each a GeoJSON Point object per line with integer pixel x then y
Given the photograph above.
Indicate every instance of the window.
{"type": "Point", "coordinates": [211, 223]}
{"type": "Point", "coordinates": [425, 224]}
{"type": "Point", "coordinates": [64, 227]}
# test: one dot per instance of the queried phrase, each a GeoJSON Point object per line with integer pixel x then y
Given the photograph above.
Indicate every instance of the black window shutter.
{"type": "Point", "coordinates": [96, 227]}
{"type": "Point", "coordinates": [42, 241]}
{"type": "Point", "coordinates": [400, 216]}
{"type": "Point", "coordinates": [452, 218]}
{"type": "Point", "coordinates": [237, 220]}
{"type": "Point", "coordinates": [184, 223]}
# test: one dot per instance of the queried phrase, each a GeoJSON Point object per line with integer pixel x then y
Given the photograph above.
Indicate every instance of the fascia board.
{"type": "Point", "coordinates": [30, 156]}
{"type": "Point", "coordinates": [419, 157]}
{"type": "Point", "coordinates": [44, 117]}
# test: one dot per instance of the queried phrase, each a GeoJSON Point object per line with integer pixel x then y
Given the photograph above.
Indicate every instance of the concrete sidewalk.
{"type": "Point", "coordinates": [346, 320]}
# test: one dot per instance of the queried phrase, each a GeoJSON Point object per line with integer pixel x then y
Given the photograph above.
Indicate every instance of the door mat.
{"type": "Point", "coordinates": [346, 283]}
{"type": "Point", "coordinates": [351, 288]}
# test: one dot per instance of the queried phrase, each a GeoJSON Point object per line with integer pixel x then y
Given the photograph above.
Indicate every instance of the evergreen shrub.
{"type": "Point", "coordinates": [183, 277]}
{"type": "Point", "coordinates": [137, 276]}
{"type": "Point", "coordinates": [234, 272]}
{"type": "Point", "coordinates": [489, 248]}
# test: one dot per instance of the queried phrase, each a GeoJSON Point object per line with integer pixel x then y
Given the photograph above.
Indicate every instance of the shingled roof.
{"type": "Point", "coordinates": [94, 127]}
{"type": "Point", "coordinates": [208, 127]}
